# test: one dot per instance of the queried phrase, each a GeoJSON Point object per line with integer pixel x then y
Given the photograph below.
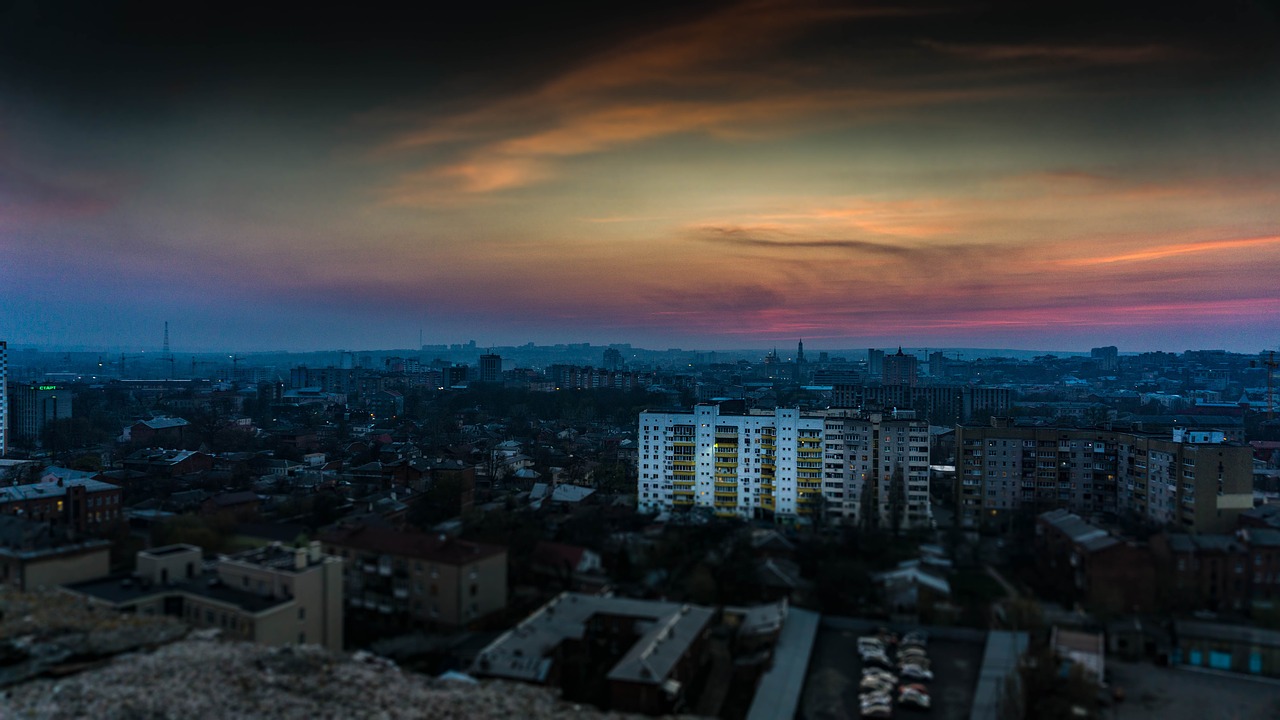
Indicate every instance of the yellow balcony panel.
{"type": "Point", "coordinates": [679, 501]}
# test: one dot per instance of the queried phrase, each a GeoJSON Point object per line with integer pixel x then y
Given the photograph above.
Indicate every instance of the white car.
{"type": "Point", "coordinates": [915, 672]}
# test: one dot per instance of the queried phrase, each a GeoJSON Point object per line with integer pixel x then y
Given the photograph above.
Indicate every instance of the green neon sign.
{"type": "Point", "coordinates": [48, 387]}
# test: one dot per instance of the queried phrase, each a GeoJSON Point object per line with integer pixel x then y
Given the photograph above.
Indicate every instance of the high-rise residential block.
{"type": "Point", "coordinates": [830, 467]}
{"type": "Point", "coordinates": [1196, 482]}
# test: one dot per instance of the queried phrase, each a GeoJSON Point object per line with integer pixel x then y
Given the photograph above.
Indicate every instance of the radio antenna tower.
{"type": "Point", "coordinates": [166, 338]}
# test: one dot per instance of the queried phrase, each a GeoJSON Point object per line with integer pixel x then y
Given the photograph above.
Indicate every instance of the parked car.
{"type": "Point", "coordinates": [916, 637]}
{"type": "Point", "coordinates": [915, 672]}
{"type": "Point", "coordinates": [911, 697]}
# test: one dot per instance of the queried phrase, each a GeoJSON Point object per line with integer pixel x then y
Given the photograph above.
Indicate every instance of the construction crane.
{"type": "Point", "coordinates": [195, 362]}
{"type": "Point", "coordinates": [235, 360]}
{"type": "Point", "coordinates": [121, 364]}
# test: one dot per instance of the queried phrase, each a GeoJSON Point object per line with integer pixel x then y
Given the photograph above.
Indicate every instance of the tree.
{"type": "Point", "coordinates": [441, 501]}
{"type": "Point", "coordinates": [868, 507]}
{"type": "Point", "coordinates": [897, 499]}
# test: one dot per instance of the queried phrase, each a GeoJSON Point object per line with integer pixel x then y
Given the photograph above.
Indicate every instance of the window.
{"type": "Point", "coordinates": [302, 613]}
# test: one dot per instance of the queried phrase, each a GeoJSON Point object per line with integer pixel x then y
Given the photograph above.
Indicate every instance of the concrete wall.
{"type": "Point", "coordinates": [64, 569]}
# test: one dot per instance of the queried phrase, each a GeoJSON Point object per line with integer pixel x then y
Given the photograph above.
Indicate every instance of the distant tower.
{"type": "Point", "coordinates": [612, 359]}
{"type": "Point", "coordinates": [875, 362]}
{"type": "Point", "coordinates": [490, 368]}
{"type": "Point", "coordinates": [900, 369]}
{"type": "Point", "coordinates": [166, 338]}
{"type": "Point", "coordinates": [800, 352]}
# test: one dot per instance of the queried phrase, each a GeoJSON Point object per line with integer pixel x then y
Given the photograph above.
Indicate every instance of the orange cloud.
{"type": "Point", "coordinates": [701, 77]}
{"type": "Point", "coordinates": [1165, 251]}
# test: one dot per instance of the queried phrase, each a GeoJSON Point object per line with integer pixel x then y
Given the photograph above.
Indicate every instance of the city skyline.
{"type": "Point", "coordinates": [714, 176]}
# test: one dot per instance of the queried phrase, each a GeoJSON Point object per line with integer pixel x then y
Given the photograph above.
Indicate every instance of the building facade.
{"type": "Point", "coordinates": [940, 403]}
{"type": "Point", "coordinates": [273, 595]}
{"type": "Point", "coordinates": [900, 369]}
{"type": "Point", "coordinates": [1164, 481]}
{"type": "Point", "coordinates": [36, 554]}
{"type": "Point", "coordinates": [490, 368]}
{"type": "Point", "coordinates": [833, 467]}
{"type": "Point", "coordinates": [79, 504]}
{"type": "Point", "coordinates": [418, 579]}
{"type": "Point", "coordinates": [33, 406]}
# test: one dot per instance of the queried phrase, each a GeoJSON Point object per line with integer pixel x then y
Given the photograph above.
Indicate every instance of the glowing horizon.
{"type": "Point", "coordinates": [737, 175]}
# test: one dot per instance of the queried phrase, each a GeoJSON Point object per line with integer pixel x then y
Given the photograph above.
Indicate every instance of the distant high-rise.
{"type": "Point", "coordinates": [34, 406]}
{"type": "Point", "coordinates": [612, 360]}
{"type": "Point", "coordinates": [4, 398]}
{"type": "Point", "coordinates": [800, 352]}
{"type": "Point", "coordinates": [875, 362]}
{"type": "Point", "coordinates": [490, 368]}
{"type": "Point", "coordinates": [900, 369]}
{"type": "Point", "coordinates": [1107, 358]}
{"type": "Point", "coordinates": [938, 364]}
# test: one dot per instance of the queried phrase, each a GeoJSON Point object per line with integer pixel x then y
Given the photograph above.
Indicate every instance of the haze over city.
{"type": "Point", "coordinates": [712, 176]}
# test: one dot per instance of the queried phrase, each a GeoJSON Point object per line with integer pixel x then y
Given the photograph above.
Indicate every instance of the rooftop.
{"type": "Point", "coordinates": [666, 631]}
{"type": "Point", "coordinates": [19, 493]}
{"type": "Point", "coordinates": [435, 548]}
{"type": "Point", "coordinates": [1082, 533]}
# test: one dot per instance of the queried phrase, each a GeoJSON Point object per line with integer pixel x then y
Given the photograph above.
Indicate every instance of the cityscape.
{"type": "Point", "coordinates": [668, 532]}
{"type": "Point", "coordinates": [737, 359]}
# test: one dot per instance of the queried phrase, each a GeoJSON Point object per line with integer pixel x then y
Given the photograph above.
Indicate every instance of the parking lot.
{"type": "Point", "coordinates": [831, 686]}
{"type": "Point", "coordinates": [1168, 694]}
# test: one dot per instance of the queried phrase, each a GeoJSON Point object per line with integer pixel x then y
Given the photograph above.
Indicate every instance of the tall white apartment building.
{"type": "Point", "coordinates": [785, 465]}
{"type": "Point", "coordinates": [4, 398]}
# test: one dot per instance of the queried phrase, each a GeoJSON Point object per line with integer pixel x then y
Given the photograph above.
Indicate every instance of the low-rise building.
{"type": "Point", "coordinates": [419, 579]}
{"type": "Point", "coordinates": [38, 554]}
{"type": "Point", "coordinates": [1087, 564]}
{"type": "Point", "coordinates": [275, 595]}
{"type": "Point", "coordinates": [629, 655]}
{"type": "Point", "coordinates": [80, 504]}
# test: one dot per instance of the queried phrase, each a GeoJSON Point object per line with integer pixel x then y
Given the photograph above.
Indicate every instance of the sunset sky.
{"type": "Point", "coordinates": [702, 175]}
